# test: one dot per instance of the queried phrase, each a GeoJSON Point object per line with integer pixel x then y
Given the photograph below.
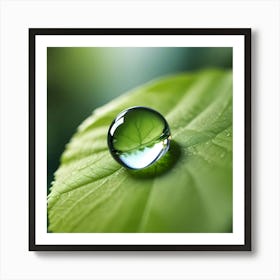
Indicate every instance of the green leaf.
{"type": "Point", "coordinates": [188, 190]}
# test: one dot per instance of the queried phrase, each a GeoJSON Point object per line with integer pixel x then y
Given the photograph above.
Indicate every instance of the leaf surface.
{"type": "Point", "coordinates": [188, 190]}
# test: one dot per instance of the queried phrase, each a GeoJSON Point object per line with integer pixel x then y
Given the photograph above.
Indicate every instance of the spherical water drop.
{"type": "Point", "coordinates": [138, 137]}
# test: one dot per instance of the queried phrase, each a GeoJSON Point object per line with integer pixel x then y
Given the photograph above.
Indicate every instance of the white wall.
{"type": "Point", "coordinates": [17, 262]}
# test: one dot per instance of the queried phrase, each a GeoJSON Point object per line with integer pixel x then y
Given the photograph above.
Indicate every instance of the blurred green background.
{"type": "Point", "coordinates": [82, 79]}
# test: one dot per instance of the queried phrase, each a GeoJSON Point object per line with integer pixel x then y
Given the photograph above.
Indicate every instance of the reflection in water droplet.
{"type": "Point", "coordinates": [138, 137]}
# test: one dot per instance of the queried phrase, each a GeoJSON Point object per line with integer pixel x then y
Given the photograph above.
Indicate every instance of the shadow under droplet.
{"type": "Point", "coordinates": [162, 166]}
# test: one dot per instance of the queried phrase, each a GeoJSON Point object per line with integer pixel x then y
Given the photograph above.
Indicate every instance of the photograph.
{"type": "Point", "coordinates": [136, 139]}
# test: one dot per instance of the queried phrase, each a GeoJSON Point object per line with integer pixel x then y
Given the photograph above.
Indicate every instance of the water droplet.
{"type": "Point", "coordinates": [138, 137]}
{"type": "Point", "coordinates": [222, 155]}
{"type": "Point", "coordinates": [228, 134]}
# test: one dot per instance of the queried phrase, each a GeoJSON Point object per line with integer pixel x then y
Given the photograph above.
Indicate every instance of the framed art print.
{"type": "Point", "coordinates": [140, 139]}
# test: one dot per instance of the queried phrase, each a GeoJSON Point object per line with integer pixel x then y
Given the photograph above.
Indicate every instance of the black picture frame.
{"type": "Point", "coordinates": [246, 32]}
